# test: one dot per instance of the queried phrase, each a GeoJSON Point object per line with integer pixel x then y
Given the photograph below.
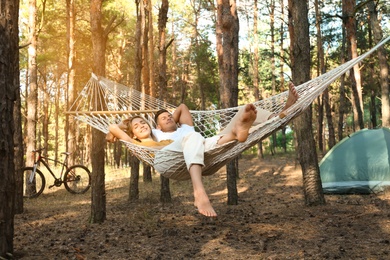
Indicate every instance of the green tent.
{"type": "Point", "coordinates": [360, 163]}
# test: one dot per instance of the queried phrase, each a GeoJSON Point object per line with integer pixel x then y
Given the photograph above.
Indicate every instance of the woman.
{"type": "Point", "coordinates": [136, 130]}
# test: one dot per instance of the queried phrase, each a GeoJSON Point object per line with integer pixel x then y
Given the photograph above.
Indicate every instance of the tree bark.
{"type": "Point", "coordinates": [147, 171]}
{"type": "Point", "coordinates": [273, 70]}
{"type": "Point", "coordinates": [355, 75]}
{"type": "Point", "coordinates": [227, 51]}
{"type": "Point", "coordinates": [151, 49]}
{"type": "Point", "coordinates": [300, 50]}
{"type": "Point", "coordinates": [165, 194]}
{"type": "Point", "coordinates": [255, 68]}
{"type": "Point", "coordinates": [9, 84]}
{"type": "Point", "coordinates": [46, 113]}
{"type": "Point", "coordinates": [383, 65]}
{"type": "Point", "coordinates": [19, 148]}
{"type": "Point", "coordinates": [99, 38]}
{"type": "Point", "coordinates": [71, 53]}
{"type": "Point", "coordinates": [342, 106]}
{"type": "Point", "coordinates": [32, 96]}
{"type": "Point", "coordinates": [134, 179]}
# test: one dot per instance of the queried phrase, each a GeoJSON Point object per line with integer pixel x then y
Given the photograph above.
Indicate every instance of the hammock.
{"type": "Point", "coordinates": [103, 102]}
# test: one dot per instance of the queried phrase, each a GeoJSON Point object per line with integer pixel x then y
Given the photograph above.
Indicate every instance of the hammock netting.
{"type": "Point", "coordinates": [103, 102]}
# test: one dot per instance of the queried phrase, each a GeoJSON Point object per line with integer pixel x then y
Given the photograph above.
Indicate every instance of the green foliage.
{"type": "Point", "coordinates": [289, 137]}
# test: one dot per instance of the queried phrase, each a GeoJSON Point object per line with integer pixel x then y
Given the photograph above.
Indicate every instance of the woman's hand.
{"type": "Point", "coordinates": [111, 138]}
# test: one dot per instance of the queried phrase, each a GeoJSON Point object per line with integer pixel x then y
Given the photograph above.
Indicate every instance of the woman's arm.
{"type": "Point", "coordinates": [116, 132]}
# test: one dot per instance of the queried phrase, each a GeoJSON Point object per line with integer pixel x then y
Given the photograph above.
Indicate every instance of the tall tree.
{"type": "Point", "coordinates": [255, 66]}
{"type": "Point", "coordinates": [32, 96]}
{"type": "Point", "coordinates": [300, 61]}
{"type": "Point", "coordinates": [324, 98]}
{"type": "Point", "coordinates": [342, 106]}
{"type": "Point", "coordinates": [134, 162]}
{"type": "Point", "coordinates": [151, 48]}
{"type": "Point", "coordinates": [19, 148]}
{"type": "Point", "coordinates": [99, 40]}
{"type": "Point", "coordinates": [282, 61]}
{"type": "Point", "coordinates": [71, 53]}
{"type": "Point", "coordinates": [227, 29]}
{"type": "Point", "coordinates": [9, 83]}
{"type": "Point", "coordinates": [383, 65]}
{"type": "Point", "coordinates": [165, 194]}
{"type": "Point", "coordinates": [349, 21]}
{"type": "Point", "coordinates": [145, 24]}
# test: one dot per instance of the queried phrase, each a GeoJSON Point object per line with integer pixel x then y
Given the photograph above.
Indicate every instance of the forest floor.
{"type": "Point", "coordinates": [270, 221]}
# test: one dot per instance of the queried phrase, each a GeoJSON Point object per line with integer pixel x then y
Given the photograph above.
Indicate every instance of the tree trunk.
{"type": "Point", "coordinates": [151, 50]}
{"type": "Point", "coordinates": [71, 143]}
{"type": "Point", "coordinates": [117, 153]}
{"type": "Point", "coordinates": [342, 102]}
{"type": "Point", "coordinates": [134, 173]}
{"type": "Point", "coordinates": [32, 96]}
{"type": "Point", "coordinates": [134, 178]}
{"type": "Point", "coordinates": [383, 65]}
{"type": "Point", "coordinates": [255, 68]}
{"type": "Point", "coordinates": [273, 70]}
{"type": "Point", "coordinates": [144, 47]}
{"type": "Point", "coordinates": [325, 96]}
{"type": "Point", "coordinates": [147, 172]}
{"type": "Point", "coordinates": [9, 85]}
{"type": "Point", "coordinates": [355, 75]}
{"type": "Point", "coordinates": [56, 119]}
{"type": "Point", "coordinates": [320, 69]}
{"type": "Point", "coordinates": [46, 113]}
{"type": "Point", "coordinates": [165, 194]}
{"type": "Point", "coordinates": [227, 51]}
{"type": "Point", "coordinates": [19, 149]}
{"type": "Point", "coordinates": [99, 38]}
{"type": "Point", "coordinates": [300, 50]}
{"type": "Point", "coordinates": [281, 62]}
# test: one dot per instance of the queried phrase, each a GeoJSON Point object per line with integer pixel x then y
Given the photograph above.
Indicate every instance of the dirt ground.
{"type": "Point", "coordinates": [271, 221]}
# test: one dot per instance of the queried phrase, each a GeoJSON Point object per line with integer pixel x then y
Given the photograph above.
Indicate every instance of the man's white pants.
{"type": "Point", "coordinates": [192, 147]}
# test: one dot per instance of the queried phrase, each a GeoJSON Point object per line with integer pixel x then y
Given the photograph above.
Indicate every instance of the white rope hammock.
{"type": "Point", "coordinates": [103, 102]}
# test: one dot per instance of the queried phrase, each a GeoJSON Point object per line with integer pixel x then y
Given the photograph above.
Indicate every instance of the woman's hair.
{"type": "Point", "coordinates": [128, 123]}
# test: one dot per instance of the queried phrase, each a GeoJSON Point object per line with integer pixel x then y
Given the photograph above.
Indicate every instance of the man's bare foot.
{"type": "Point", "coordinates": [291, 99]}
{"type": "Point", "coordinates": [203, 204]}
{"type": "Point", "coordinates": [292, 96]}
{"type": "Point", "coordinates": [244, 123]}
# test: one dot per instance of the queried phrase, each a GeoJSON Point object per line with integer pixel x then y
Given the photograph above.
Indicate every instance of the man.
{"type": "Point", "coordinates": [192, 144]}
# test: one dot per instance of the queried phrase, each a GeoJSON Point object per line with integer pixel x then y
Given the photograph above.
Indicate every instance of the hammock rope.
{"type": "Point", "coordinates": [103, 102]}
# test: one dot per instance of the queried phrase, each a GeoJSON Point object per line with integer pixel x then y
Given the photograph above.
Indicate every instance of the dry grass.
{"type": "Point", "coordinates": [270, 221]}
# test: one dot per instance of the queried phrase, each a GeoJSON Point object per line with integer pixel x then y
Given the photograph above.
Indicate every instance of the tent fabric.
{"type": "Point", "coordinates": [360, 163]}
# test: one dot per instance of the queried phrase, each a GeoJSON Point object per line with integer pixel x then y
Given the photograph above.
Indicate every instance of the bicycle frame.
{"type": "Point", "coordinates": [43, 159]}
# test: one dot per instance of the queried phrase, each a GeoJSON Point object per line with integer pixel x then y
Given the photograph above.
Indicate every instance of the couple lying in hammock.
{"type": "Point", "coordinates": [184, 139]}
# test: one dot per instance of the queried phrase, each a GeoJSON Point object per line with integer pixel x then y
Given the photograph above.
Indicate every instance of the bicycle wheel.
{"type": "Point", "coordinates": [33, 184]}
{"type": "Point", "coordinates": [77, 179]}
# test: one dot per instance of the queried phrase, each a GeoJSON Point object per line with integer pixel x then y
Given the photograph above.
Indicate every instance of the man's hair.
{"type": "Point", "coordinates": [158, 114]}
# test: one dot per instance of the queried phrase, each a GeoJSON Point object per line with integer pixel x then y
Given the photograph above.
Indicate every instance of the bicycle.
{"type": "Point", "coordinates": [76, 178]}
